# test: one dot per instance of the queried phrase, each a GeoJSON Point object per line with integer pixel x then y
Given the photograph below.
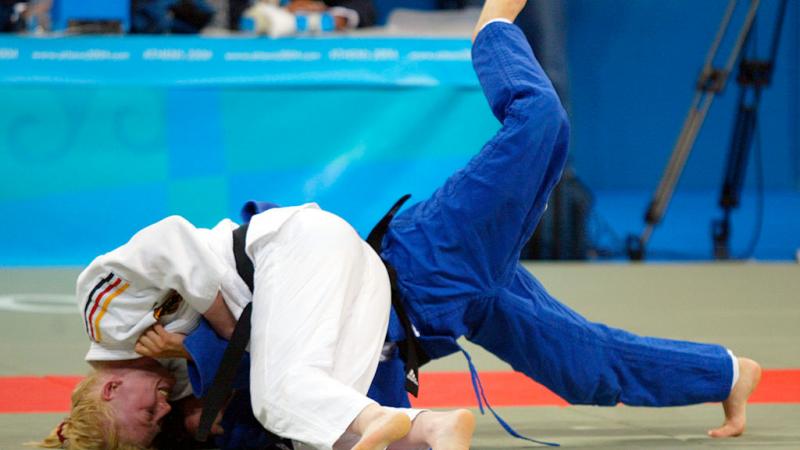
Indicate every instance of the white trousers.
{"type": "Point", "coordinates": [320, 314]}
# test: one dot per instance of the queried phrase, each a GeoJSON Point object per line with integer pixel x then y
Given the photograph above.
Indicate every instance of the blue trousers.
{"type": "Point", "coordinates": [457, 259]}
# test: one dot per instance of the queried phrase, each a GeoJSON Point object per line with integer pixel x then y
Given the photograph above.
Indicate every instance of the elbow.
{"type": "Point", "coordinates": [220, 317]}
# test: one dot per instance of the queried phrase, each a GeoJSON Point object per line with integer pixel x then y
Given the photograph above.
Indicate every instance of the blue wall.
{"type": "Point", "coordinates": [633, 69]}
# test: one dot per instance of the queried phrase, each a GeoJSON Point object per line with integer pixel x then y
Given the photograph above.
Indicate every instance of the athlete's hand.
{"type": "Point", "coordinates": [192, 408]}
{"type": "Point", "coordinates": [157, 342]}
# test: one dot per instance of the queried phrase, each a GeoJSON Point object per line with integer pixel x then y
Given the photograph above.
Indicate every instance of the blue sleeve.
{"type": "Point", "coordinates": [206, 349]}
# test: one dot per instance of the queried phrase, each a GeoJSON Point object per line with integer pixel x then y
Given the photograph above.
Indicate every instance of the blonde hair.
{"type": "Point", "coordinates": [90, 424]}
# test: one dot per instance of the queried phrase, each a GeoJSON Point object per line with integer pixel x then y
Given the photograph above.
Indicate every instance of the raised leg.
{"type": "Point", "coordinates": [466, 239]}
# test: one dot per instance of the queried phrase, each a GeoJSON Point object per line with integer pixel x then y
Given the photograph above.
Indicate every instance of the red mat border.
{"type": "Point", "coordinates": [51, 394]}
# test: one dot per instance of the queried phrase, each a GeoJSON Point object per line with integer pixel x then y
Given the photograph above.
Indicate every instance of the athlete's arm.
{"type": "Point", "coordinates": [167, 273]}
{"type": "Point", "coordinates": [172, 254]}
{"type": "Point", "coordinates": [220, 317]}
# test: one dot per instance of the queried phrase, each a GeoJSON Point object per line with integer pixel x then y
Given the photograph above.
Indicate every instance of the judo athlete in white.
{"type": "Point", "coordinates": [320, 314]}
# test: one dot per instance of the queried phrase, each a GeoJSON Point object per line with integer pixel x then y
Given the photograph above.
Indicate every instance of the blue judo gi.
{"type": "Point", "coordinates": [457, 259]}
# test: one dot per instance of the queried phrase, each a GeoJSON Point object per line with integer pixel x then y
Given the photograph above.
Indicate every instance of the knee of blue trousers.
{"type": "Point", "coordinates": [554, 143]}
{"type": "Point", "coordinates": [522, 165]}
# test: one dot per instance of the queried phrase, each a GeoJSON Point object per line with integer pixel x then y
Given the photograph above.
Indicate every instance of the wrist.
{"type": "Point", "coordinates": [177, 347]}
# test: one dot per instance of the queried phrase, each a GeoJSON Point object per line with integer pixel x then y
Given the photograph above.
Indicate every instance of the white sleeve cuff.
{"type": "Point", "coordinates": [493, 21]}
{"type": "Point", "coordinates": [735, 362]}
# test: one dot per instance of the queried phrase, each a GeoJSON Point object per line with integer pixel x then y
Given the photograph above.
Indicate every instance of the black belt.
{"type": "Point", "coordinates": [410, 349]}
{"type": "Point", "coordinates": [222, 385]}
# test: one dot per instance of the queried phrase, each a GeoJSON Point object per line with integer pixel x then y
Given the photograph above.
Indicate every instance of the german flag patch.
{"type": "Point", "coordinates": [170, 305]}
{"type": "Point", "coordinates": [101, 296]}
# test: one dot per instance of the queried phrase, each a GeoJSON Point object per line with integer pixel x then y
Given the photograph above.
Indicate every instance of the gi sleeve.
{"type": "Point", "coordinates": [166, 273]}
{"type": "Point", "coordinates": [206, 349]}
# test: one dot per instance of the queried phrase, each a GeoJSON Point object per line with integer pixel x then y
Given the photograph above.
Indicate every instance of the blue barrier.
{"type": "Point", "coordinates": [112, 10]}
{"type": "Point", "coordinates": [191, 61]}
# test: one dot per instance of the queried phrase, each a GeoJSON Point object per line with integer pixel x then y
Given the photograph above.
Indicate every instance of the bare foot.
{"type": "Point", "coordinates": [387, 427]}
{"type": "Point", "coordinates": [736, 404]}
{"type": "Point", "coordinates": [440, 430]}
{"type": "Point", "coordinates": [453, 431]}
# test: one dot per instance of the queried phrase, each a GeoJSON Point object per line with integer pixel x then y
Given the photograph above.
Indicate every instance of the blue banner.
{"type": "Point", "coordinates": [194, 61]}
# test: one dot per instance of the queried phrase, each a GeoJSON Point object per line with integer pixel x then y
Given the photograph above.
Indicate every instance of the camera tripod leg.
{"type": "Point", "coordinates": [711, 81]}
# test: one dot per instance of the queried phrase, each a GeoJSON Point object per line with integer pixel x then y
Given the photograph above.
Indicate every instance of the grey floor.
{"type": "Point", "coordinates": [751, 308]}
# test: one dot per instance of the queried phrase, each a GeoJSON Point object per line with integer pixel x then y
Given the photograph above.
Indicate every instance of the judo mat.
{"type": "Point", "coordinates": [752, 308]}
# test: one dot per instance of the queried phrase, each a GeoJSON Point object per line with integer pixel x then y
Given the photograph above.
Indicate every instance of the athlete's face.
{"type": "Point", "coordinates": [139, 399]}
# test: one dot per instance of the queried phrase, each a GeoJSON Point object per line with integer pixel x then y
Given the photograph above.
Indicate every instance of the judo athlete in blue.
{"type": "Point", "coordinates": [456, 255]}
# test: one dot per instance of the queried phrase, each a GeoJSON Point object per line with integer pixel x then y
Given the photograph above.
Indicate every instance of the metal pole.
{"type": "Point", "coordinates": [710, 82]}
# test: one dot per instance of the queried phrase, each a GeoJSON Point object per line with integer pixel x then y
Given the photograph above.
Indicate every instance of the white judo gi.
{"type": "Point", "coordinates": [320, 309]}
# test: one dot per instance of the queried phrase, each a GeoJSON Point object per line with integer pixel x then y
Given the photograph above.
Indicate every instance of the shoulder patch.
{"type": "Point", "coordinates": [100, 297]}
